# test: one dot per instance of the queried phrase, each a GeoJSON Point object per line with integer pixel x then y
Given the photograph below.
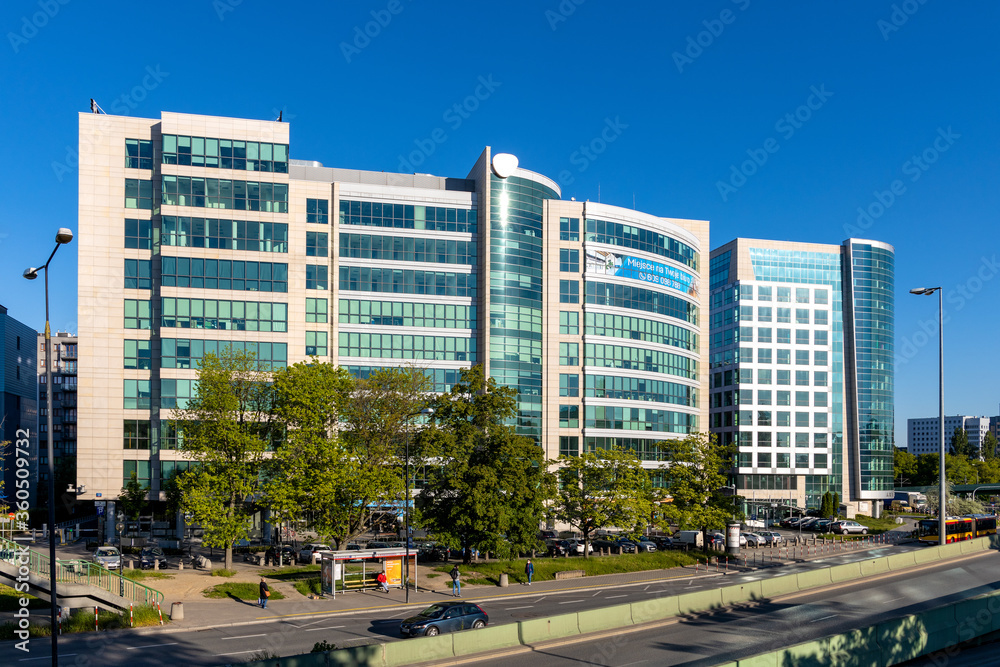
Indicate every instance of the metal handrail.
{"type": "Point", "coordinates": [84, 572]}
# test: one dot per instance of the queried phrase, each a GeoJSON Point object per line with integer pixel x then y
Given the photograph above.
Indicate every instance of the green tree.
{"type": "Point", "coordinates": [989, 447]}
{"type": "Point", "coordinates": [960, 444]}
{"type": "Point", "coordinates": [695, 481]}
{"type": "Point", "coordinates": [229, 431]}
{"type": "Point", "coordinates": [485, 485]}
{"type": "Point", "coordinates": [132, 498]}
{"type": "Point", "coordinates": [904, 466]}
{"type": "Point", "coordinates": [956, 505]}
{"type": "Point", "coordinates": [341, 463]}
{"type": "Point", "coordinates": [603, 489]}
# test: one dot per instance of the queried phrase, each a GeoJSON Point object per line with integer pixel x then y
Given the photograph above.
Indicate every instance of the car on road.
{"type": "Point", "coordinates": [845, 527]}
{"type": "Point", "coordinates": [307, 551]}
{"type": "Point", "coordinates": [150, 555]}
{"type": "Point", "coordinates": [108, 557]}
{"type": "Point", "coordinates": [444, 617]}
{"type": "Point", "coordinates": [754, 540]}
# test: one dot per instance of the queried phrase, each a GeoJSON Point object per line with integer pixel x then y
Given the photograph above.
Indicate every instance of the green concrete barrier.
{"type": "Point", "coordinates": [874, 566]}
{"type": "Point", "coordinates": [901, 639]}
{"type": "Point", "coordinates": [901, 561]}
{"type": "Point", "coordinates": [420, 649]}
{"type": "Point", "coordinates": [848, 572]}
{"type": "Point", "coordinates": [775, 586]}
{"type": "Point", "coordinates": [355, 656]}
{"type": "Point", "coordinates": [542, 629]}
{"type": "Point", "coordinates": [654, 609]}
{"type": "Point", "coordinates": [490, 638]}
{"type": "Point", "coordinates": [814, 579]}
{"type": "Point", "coordinates": [606, 618]}
{"type": "Point", "coordinates": [751, 590]}
{"type": "Point", "coordinates": [692, 603]}
{"type": "Point", "coordinates": [924, 556]}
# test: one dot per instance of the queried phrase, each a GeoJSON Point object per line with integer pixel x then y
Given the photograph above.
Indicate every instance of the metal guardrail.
{"type": "Point", "coordinates": [82, 572]}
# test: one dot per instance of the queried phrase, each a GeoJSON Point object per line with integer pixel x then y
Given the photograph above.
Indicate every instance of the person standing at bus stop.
{"type": "Point", "coordinates": [529, 570]}
{"type": "Point", "coordinates": [456, 584]}
{"type": "Point", "coordinates": [265, 593]}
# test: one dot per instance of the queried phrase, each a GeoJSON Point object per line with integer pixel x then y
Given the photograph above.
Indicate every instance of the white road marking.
{"type": "Point", "coordinates": [612, 597]}
{"type": "Point", "coordinates": [824, 618]}
{"type": "Point", "coordinates": [238, 652]}
{"type": "Point", "coordinates": [332, 627]}
{"type": "Point", "coordinates": [137, 648]}
{"type": "Point", "coordinates": [894, 599]}
{"type": "Point", "coordinates": [243, 637]}
{"type": "Point", "coordinates": [571, 601]}
{"type": "Point", "coordinates": [596, 594]}
{"type": "Point", "coordinates": [529, 606]}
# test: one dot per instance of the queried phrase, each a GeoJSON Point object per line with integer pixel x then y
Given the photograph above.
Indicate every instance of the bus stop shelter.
{"type": "Point", "coordinates": [333, 569]}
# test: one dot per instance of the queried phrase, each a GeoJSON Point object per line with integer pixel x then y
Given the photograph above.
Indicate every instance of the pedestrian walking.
{"type": "Point", "coordinates": [456, 584]}
{"type": "Point", "coordinates": [529, 569]}
{"type": "Point", "coordinates": [265, 593]}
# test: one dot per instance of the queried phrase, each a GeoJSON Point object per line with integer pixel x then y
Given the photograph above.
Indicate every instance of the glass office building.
{"type": "Point", "coordinates": [801, 360]}
{"type": "Point", "coordinates": [200, 232]}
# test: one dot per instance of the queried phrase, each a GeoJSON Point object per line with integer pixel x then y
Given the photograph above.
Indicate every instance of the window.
{"type": "Point", "coordinates": [199, 273]}
{"type": "Point", "coordinates": [783, 398]}
{"type": "Point", "coordinates": [821, 338]}
{"type": "Point", "coordinates": [398, 346]}
{"type": "Point", "coordinates": [171, 435]}
{"type": "Point", "coordinates": [569, 416]}
{"type": "Point", "coordinates": [224, 193]}
{"type": "Point", "coordinates": [783, 460]}
{"type": "Point", "coordinates": [784, 356]}
{"type": "Point", "coordinates": [405, 314]}
{"type": "Point", "coordinates": [802, 316]}
{"type": "Point", "coordinates": [407, 216]}
{"type": "Point", "coordinates": [763, 418]}
{"type": "Point", "coordinates": [136, 434]}
{"type": "Point", "coordinates": [785, 294]}
{"type": "Point", "coordinates": [569, 323]}
{"type": "Point", "coordinates": [764, 313]}
{"type": "Point", "coordinates": [783, 439]}
{"type": "Point", "coordinates": [820, 357]}
{"type": "Point", "coordinates": [141, 470]}
{"type": "Point", "coordinates": [784, 315]}
{"type": "Point", "coordinates": [819, 440]}
{"type": "Point", "coordinates": [137, 394]}
{"type": "Point", "coordinates": [801, 439]}
{"type": "Point", "coordinates": [569, 384]}
{"type": "Point", "coordinates": [819, 379]}
{"type": "Point", "coordinates": [745, 418]}
{"type": "Point", "coordinates": [783, 419]}
{"type": "Point", "coordinates": [764, 334]}
{"type": "Point", "coordinates": [569, 354]}
{"type": "Point", "coordinates": [819, 460]}
{"type": "Point", "coordinates": [784, 337]}
{"type": "Point", "coordinates": [138, 154]}
{"type": "Point", "coordinates": [318, 210]}
{"type": "Point", "coordinates": [188, 353]}
{"type": "Point", "coordinates": [763, 459]}
{"type": "Point", "coordinates": [763, 376]}
{"type": "Point", "coordinates": [316, 244]}
{"type": "Point", "coordinates": [764, 355]}
{"type": "Point", "coordinates": [820, 399]}
{"type": "Point", "coordinates": [801, 378]}
{"type": "Point", "coordinates": [820, 420]}
{"type": "Point", "coordinates": [637, 298]}
{"type": "Point", "coordinates": [802, 420]}
{"type": "Point", "coordinates": [407, 281]}
{"type": "Point", "coordinates": [746, 355]}
{"type": "Point", "coordinates": [186, 232]}
{"type": "Point", "coordinates": [316, 310]}
{"type": "Point", "coordinates": [746, 314]}
{"type": "Point", "coordinates": [137, 274]}
{"type": "Point", "coordinates": [138, 354]}
{"type": "Point", "coordinates": [223, 314]}
{"type": "Point", "coordinates": [407, 249]}
{"type": "Point", "coordinates": [819, 317]}
{"type": "Point", "coordinates": [801, 336]}
{"type": "Point", "coordinates": [802, 398]}
{"type": "Point", "coordinates": [746, 335]}
{"type": "Point", "coordinates": [629, 236]}
{"type": "Point", "coordinates": [316, 277]}
{"type": "Point", "coordinates": [802, 357]}
{"type": "Point", "coordinates": [569, 445]}
{"type": "Point", "coordinates": [569, 291]}
{"type": "Point", "coordinates": [138, 234]}
{"type": "Point", "coordinates": [763, 293]}
{"type": "Point", "coordinates": [764, 439]}
{"type": "Point", "coordinates": [569, 229]}
{"type": "Point", "coordinates": [746, 396]}
{"type": "Point", "coordinates": [225, 153]}
{"type": "Point", "coordinates": [746, 292]}
{"type": "Point", "coordinates": [138, 194]}
{"type": "Point", "coordinates": [764, 397]}
{"type": "Point", "coordinates": [316, 343]}
{"type": "Point", "coordinates": [569, 260]}
{"type": "Point", "coordinates": [820, 297]}
{"type": "Point", "coordinates": [746, 376]}
{"type": "Point", "coordinates": [137, 314]}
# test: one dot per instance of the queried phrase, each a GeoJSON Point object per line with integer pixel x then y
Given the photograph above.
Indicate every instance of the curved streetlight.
{"type": "Point", "coordinates": [63, 236]}
{"type": "Point", "coordinates": [942, 490]}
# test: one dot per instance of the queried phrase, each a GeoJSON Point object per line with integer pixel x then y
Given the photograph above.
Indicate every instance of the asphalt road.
{"type": "Point", "coordinates": [293, 635]}
{"type": "Point", "coordinates": [732, 634]}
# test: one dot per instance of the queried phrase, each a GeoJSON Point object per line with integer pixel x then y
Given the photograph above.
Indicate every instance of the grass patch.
{"type": "Point", "coordinates": [245, 592]}
{"type": "Point", "coordinates": [10, 600]}
{"type": "Point", "coordinates": [546, 568]}
{"type": "Point", "coordinates": [223, 573]}
{"type": "Point", "coordinates": [7, 631]}
{"type": "Point", "coordinates": [309, 586]}
{"type": "Point", "coordinates": [877, 526]}
{"type": "Point", "coordinates": [291, 573]}
{"type": "Point", "coordinates": [139, 575]}
{"type": "Point", "coordinates": [432, 575]}
{"type": "Point", "coordinates": [143, 616]}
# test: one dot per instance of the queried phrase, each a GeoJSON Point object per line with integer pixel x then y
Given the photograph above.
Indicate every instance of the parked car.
{"type": "Point", "coordinates": [150, 555]}
{"type": "Point", "coordinates": [577, 547]}
{"type": "Point", "coordinates": [807, 523]}
{"type": "Point", "coordinates": [716, 541]}
{"type": "Point", "coordinates": [444, 617]}
{"type": "Point", "coordinates": [754, 540]}
{"type": "Point", "coordinates": [604, 544]}
{"type": "Point", "coordinates": [108, 557]}
{"type": "Point", "coordinates": [548, 535]}
{"type": "Point", "coordinates": [307, 551]}
{"type": "Point", "coordinates": [353, 547]}
{"type": "Point", "coordinates": [845, 527]}
{"type": "Point", "coordinates": [663, 543]}
{"type": "Point", "coordinates": [821, 525]}
{"type": "Point", "coordinates": [771, 538]}
{"type": "Point", "coordinates": [646, 546]}
{"type": "Point", "coordinates": [555, 547]}
{"type": "Point", "coordinates": [627, 546]}
{"type": "Point", "coordinates": [376, 545]}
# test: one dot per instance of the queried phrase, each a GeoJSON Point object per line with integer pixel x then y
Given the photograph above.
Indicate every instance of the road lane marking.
{"type": "Point", "coordinates": [596, 594]}
{"type": "Point", "coordinates": [46, 657]}
{"type": "Point", "coordinates": [529, 606]}
{"type": "Point", "coordinates": [824, 618]}
{"type": "Point", "coordinates": [239, 652]}
{"type": "Point", "coordinates": [612, 597]}
{"type": "Point", "coordinates": [570, 601]}
{"type": "Point", "coordinates": [243, 637]}
{"type": "Point", "coordinates": [332, 627]}
{"type": "Point", "coordinates": [894, 599]}
{"type": "Point", "coordinates": [136, 648]}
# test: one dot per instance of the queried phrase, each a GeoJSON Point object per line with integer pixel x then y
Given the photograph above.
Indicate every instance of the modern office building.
{"type": "Point", "coordinates": [923, 434]}
{"type": "Point", "coordinates": [19, 419]}
{"type": "Point", "coordinates": [198, 232]}
{"type": "Point", "coordinates": [64, 367]}
{"type": "Point", "coordinates": [802, 369]}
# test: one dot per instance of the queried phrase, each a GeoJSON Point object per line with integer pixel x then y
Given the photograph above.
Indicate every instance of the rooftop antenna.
{"type": "Point", "coordinates": [95, 107]}
{"type": "Point", "coordinates": [280, 114]}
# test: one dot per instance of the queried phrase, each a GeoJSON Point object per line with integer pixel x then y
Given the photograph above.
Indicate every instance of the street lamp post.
{"type": "Point", "coordinates": [63, 236]}
{"type": "Point", "coordinates": [942, 487]}
{"type": "Point", "coordinates": [406, 506]}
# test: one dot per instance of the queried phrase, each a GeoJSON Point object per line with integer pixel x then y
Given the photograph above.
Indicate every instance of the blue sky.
{"type": "Point", "coordinates": [889, 107]}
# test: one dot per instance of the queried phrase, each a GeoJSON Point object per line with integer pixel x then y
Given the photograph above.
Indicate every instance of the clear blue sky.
{"type": "Point", "coordinates": [893, 86]}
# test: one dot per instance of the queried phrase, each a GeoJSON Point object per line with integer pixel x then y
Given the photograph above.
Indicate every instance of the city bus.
{"type": "Point", "coordinates": [957, 529]}
{"type": "Point", "coordinates": [985, 524]}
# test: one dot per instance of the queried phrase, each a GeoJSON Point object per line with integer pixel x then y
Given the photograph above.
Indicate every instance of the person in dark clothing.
{"type": "Point", "coordinates": [456, 584]}
{"type": "Point", "coordinates": [264, 593]}
{"type": "Point", "coordinates": [271, 556]}
{"type": "Point", "coordinates": [529, 569]}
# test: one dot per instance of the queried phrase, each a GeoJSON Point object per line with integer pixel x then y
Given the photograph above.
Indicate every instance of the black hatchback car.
{"type": "Point", "coordinates": [150, 555]}
{"type": "Point", "coordinates": [444, 617]}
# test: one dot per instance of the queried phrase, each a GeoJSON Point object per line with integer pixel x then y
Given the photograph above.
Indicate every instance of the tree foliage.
{"type": "Point", "coordinates": [485, 485]}
{"type": "Point", "coordinates": [603, 489]}
{"type": "Point", "coordinates": [989, 451]}
{"type": "Point", "coordinates": [956, 505]}
{"type": "Point", "coordinates": [960, 445]}
{"type": "Point", "coordinates": [696, 480]}
{"type": "Point", "coordinates": [904, 466]}
{"type": "Point", "coordinates": [132, 498]}
{"type": "Point", "coordinates": [229, 431]}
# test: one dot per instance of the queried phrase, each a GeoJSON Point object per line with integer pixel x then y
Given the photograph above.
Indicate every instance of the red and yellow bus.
{"type": "Point", "coordinates": [957, 529]}
{"type": "Point", "coordinates": [985, 524]}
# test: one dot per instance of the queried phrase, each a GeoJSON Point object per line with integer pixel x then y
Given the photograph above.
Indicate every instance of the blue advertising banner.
{"type": "Point", "coordinates": [643, 270]}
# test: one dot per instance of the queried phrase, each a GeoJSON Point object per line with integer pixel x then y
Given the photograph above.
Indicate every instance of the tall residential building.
{"type": "Point", "coordinates": [19, 419]}
{"type": "Point", "coordinates": [923, 434]}
{"type": "Point", "coordinates": [198, 232]}
{"type": "Point", "coordinates": [802, 368]}
{"type": "Point", "coordinates": [64, 367]}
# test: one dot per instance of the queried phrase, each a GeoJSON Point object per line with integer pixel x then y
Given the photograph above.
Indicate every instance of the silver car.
{"type": "Point", "coordinates": [108, 557]}
{"type": "Point", "coordinates": [845, 527]}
